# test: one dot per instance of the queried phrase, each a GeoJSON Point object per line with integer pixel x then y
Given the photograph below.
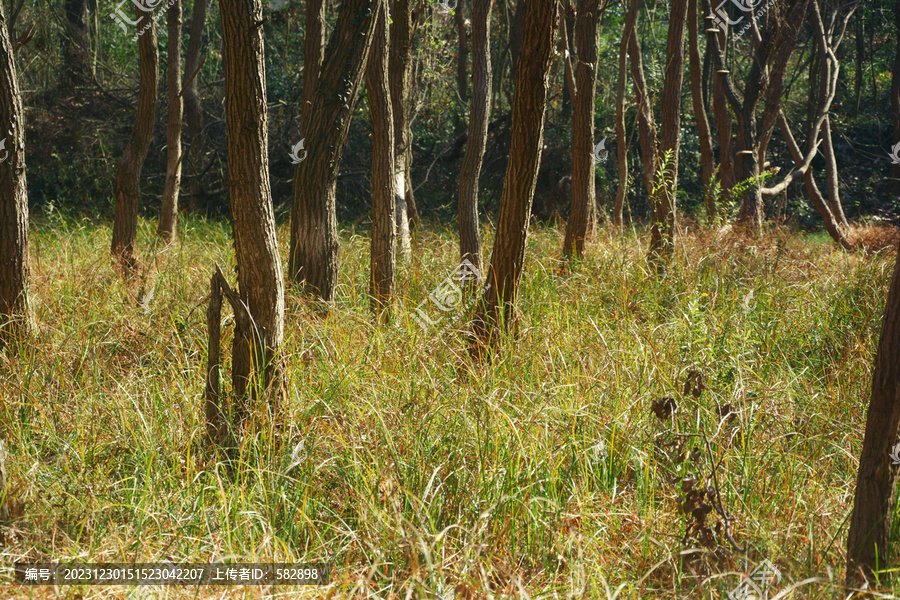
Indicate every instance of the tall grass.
{"type": "Point", "coordinates": [541, 474]}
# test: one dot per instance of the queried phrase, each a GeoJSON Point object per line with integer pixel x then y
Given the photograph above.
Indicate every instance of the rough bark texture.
{"type": "Point", "coordinates": [193, 111]}
{"type": "Point", "coordinates": [168, 218]}
{"type": "Point", "coordinates": [314, 244]}
{"type": "Point", "coordinates": [621, 149]}
{"type": "Point", "coordinates": [479, 115]}
{"type": "Point", "coordinates": [707, 160]}
{"type": "Point", "coordinates": [77, 50]}
{"type": "Point", "coordinates": [521, 171]}
{"type": "Point", "coordinates": [895, 84]}
{"type": "Point", "coordinates": [313, 55]}
{"type": "Point", "coordinates": [662, 228]}
{"type": "Point", "coordinates": [403, 27]}
{"type": "Point", "coordinates": [13, 199]}
{"type": "Point", "coordinates": [646, 124]}
{"type": "Point", "coordinates": [127, 188]}
{"type": "Point", "coordinates": [582, 213]}
{"type": "Point", "coordinates": [868, 541]}
{"type": "Point", "coordinates": [260, 278]}
{"type": "Point", "coordinates": [381, 283]}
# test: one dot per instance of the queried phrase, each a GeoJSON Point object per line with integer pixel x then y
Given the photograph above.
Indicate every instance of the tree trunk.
{"type": "Point", "coordinates": [381, 284]}
{"type": "Point", "coordinates": [860, 55]}
{"type": "Point", "coordinates": [706, 150]}
{"type": "Point", "coordinates": [127, 188]}
{"type": "Point", "coordinates": [314, 242]}
{"type": "Point", "coordinates": [462, 61]}
{"type": "Point", "coordinates": [77, 51]}
{"type": "Point", "coordinates": [646, 123]}
{"type": "Point", "coordinates": [621, 149]}
{"type": "Point", "coordinates": [868, 541]}
{"type": "Point", "coordinates": [584, 201]}
{"type": "Point", "coordinates": [479, 115]}
{"type": "Point", "coordinates": [526, 137]}
{"type": "Point", "coordinates": [260, 279]}
{"type": "Point", "coordinates": [895, 92]}
{"type": "Point", "coordinates": [168, 218]}
{"type": "Point", "coordinates": [515, 36]}
{"type": "Point", "coordinates": [13, 199]}
{"type": "Point", "coordinates": [193, 111]}
{"type": "Point", "coordinates": [402, 31]}
{"type": "Point", "coordinates": [662, 229]}
{"type": "Point", "coordinates": [723, 128]}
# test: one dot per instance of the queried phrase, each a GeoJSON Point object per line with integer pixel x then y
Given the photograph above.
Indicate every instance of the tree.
{"type": "Point", "coordinates": [193, 111]}
{"type": "Point", "coordinates": [168, 218]}
{"type": "Point", "coordinates": [646, 124]}
{"type": "Point", "coordinates": [77, 50]}
{"type": "Point", "coordinates": [895, 81]}
{"type": "Point", "coordinates": [868, 541]}
{"type": "Point", "coordinates": [662, 228]}
{"type": "Point", "coordinates": [584, 202]}
{"type": "Point", "coordinates": [381, 284]}
{"type": "Point", "coordinates": [479, 115]}
{"type": "Point", "coordinates": [13, 199]}
{"type": "Point", "coordinates": [259, 309]}
{"type": "Point", "coordinates": [521, 171]}
{"type": "Point", "coordinates": [707, 159]}
{"type": "Point", "coordinates": [314, 244]}
{"type": "Point", "coordinates": [621, 144]}
{"type": "Point", "coordinates": [127, 188]}
{"type": "Point", "coordinates": [462, 61]}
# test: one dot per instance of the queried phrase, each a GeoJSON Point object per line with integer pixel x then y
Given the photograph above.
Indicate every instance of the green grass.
{"type": "Point", "coordinates": [541, 473]}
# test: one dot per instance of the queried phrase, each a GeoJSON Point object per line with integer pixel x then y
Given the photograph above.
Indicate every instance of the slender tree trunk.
{"type": "Point", "coordinates": [13, 199]}
{"type": "Point", "coordinates": [621, 148]}
{"type": "Point", "coordinates": [77, 51]}
{"type": "Point", "coordinates": [868, 541]}
{"type": "Point", "coordinates": [526, 137]}
{"type": "Point", "coordinates": [168, 218]}
{"type": "Point", "coordinates": [831, 175]}
{"type": "Point", "coordinates": [381, 284]}
{"type": "Point", "coordinates": [261, 284]}
{"type": "Point", "coordinates": [662, 229]}
{"type": "Point", "coordinates": [127, 188]}
{"type": "Point", "coordinates": [723, 127]}
{"type": "Point", "coordinates": [707, 159]}
{"type": "Point", "coordinates": [314, 241]}
{"type": "Point", "coordinates": [193, 111]}
{"type": "Point", "coordinates": [479, 115]}
{"type": "Point", "coordinates": [462, 61]}
{"type": "Point", "coordinates": [584, 201]}
{"type": "Point", "coordinates": [895, 90]}
{"type": "Point", "coordinates": [402, 31]}
{"type": "Point", "coordinates": [646, 123]}
{"type": "Point", "coordinates": [860, 54]}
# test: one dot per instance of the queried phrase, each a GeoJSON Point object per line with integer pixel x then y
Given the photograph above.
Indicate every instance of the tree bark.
{"type": "Point", "coordinates": [13, 199]}
{"type": "Point", "coordinates": [621, 149]}
{"type": "Point", "coordinates": [168, 218]}
{"type": "Point", "coordinates": [261, 285]}
{"type": "Point", "coordinates": [462, 61]}
{"type": "Point", "coordinates": [526, 137]}
{"type": "Point", "coordinates": [707, 159]}
{"type": "Point", "coordinates": [127, 188]}
{"type": "Point", "coordinates": [314, 243]}
{"type": "Point", "coordinates": [646, 123]}
{"type": "Point", "coordinates": [895, 92]}
{"type": "Point", "coordinates": [77, 51]}
{"type": "Point", "coordinates": [381, 284]}
{"type": "Point", "coordinates": [479, 115]}
{"type": "Point", "coordinates": [582, 213]}
{"type": "Point", "coordinates": [662, 228]}
{"type": "Point", "coordinates": [193, 111]}
{"type": "Point", "coordinates": [868, 541]}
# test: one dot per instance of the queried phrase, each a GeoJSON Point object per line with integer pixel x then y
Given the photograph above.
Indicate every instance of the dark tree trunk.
{"type": "Point", "coordinates": [583, 210]}
{"type": "Point", "coordinates": [526, 137]}
{"type": "Point", "coordinates": [707, 160]}
{"type": "Point", "coordinates": [261, 283]}
{"type": "Point", "coordinates": [127, 189]}
{"type": "Point", "coordinates": [479, 115]}
{"type": "Point", "coordinates": [646, 123]}
{"type": "Point", "coordinates": [13, 199]}
{"type": "Point", "coordinates": [868, 541]}
{"type": "Point", "coordinates": [895, 91]}
{"type": "Point", "coordinates": [621, 143]}
{"type": "Point", "coordinates": [462, 61]}
{"type": "Point", "coordinates": [77, 51]}
{"type": "Point", "coordinates": [168, 218]}
{"type": "Point", "coordinates": [193, 111]}
{"type": "Point", "coordinates": [314, 241]}
{"type": "Point", "coordinates": [515, 36]}
{"type": "Point", "coordinates": [381, 283]}
{"type": "Point", "coordinates": [662, 229]}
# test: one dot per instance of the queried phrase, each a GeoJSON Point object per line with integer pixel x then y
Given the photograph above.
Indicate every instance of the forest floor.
{"type": "Point", "coordinates": [577, 463]}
